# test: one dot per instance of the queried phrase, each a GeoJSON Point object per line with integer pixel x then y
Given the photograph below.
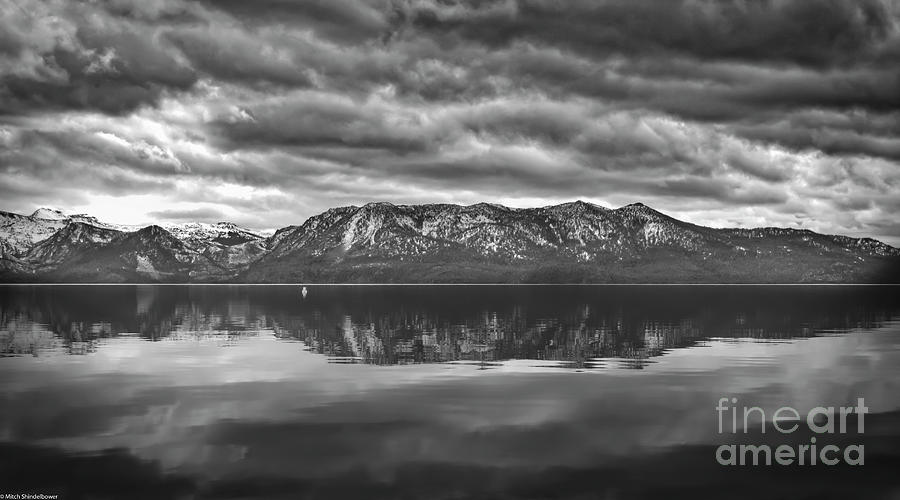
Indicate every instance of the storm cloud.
{"type": "Point", "coordinates": [736, 112]}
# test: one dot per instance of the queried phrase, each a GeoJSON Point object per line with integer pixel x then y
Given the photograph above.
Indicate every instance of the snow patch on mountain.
{"type": "Point", "coordinates": [145, 266]}
{"type": "Point", "coordinates": [49, 214]}
{"type": "Point", "coordinates": [203, 232]}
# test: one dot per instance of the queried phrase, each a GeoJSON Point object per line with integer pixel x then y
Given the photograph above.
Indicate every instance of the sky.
{"type": "Point", "coordinates": [718, 112]}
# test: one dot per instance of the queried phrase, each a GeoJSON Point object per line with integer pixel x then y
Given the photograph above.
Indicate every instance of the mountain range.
{"type": "Point", "coordinates": [574, 242]}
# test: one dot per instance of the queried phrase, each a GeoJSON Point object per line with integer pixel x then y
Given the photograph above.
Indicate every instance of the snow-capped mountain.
{"type": "Point", "coordinates": [575, 229]}
{"type": "Point", "coordinates": [572, 242]}
{"type": "Point", "coordinates": [20, 232]}
{"type": "Point", "coordinates": [71, 238]}
{"type": "Point", "coordinates": [52, 241]}
{"type": "Point", "coordinates": [382, 242]}
{"type": "Point", "coordinates": [149, 254]}
{"type": "Point", "coordinates": [225, 243]}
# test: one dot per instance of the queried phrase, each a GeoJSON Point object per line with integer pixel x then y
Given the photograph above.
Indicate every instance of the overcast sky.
{"type": "Point", "coordinates": [264, 112]}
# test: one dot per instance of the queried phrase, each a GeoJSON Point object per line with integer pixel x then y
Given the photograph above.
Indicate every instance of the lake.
{"type": "Point", "coordinates": [442, 392]}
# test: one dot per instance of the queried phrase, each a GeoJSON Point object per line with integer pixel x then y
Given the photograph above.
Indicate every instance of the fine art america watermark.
{"type": "Point", "coordinates": [786, 420]}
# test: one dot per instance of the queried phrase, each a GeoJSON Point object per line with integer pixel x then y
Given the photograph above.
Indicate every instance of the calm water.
{"type": "Point", "coordinates": [436, 392]}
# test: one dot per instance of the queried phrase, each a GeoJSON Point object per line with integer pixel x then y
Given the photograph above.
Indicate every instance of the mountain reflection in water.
{"type": "Point", "coordinates": [564, 326]}
{"type": "Point", "coordinates": [425, 393]}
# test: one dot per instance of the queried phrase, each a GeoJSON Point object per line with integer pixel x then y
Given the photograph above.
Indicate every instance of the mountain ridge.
{"type": "Point", "coordinates": [438, 243]}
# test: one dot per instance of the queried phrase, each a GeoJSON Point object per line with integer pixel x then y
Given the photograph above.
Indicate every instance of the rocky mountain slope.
{"type": "Point", "coordinates": [440, 243]}
{"type": "Point", "coordinates": [51, 245]}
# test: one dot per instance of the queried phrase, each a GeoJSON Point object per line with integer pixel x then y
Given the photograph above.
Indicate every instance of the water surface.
{"type": "Point", "coordinates": [433, 391]}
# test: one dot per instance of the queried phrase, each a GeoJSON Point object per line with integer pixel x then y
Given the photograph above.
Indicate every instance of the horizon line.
{"type": "Point", "coordinates": [448, 284]}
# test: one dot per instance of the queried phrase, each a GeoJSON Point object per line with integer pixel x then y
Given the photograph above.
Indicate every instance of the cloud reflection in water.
{"type": "Point", "coordinates": [234, 399]}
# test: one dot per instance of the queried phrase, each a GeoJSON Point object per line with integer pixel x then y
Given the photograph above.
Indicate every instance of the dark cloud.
{"type": "Point", "coordinates": [83, 61]}
{"type": "Point", "coordinates": [100, 149]}
{"type": "Point", "coordinates": [342, 20]}
{"type": "Point", "coordinates": [702, 90]}
{"type": "Point", "coordinates": [320, 119]}
{"type": "Point", "coordinates": [233, 55]}
{"type": "Point", "coordinates": [756, 166]}
{"type": "Point", "coordinates": [734, 194]}
{"type": "Point", "coordinates": [165, 11]}
{"type": "Point", "coordinates": [856, 133]}
{"type": "Point", "coordinates": [115, 89]}
{"type": "Point", "coordinates": [807, 32]}
{"type": "Point", "coordinates": [829, 141]}
{"type": "Point", "coordinates": [65, 166]}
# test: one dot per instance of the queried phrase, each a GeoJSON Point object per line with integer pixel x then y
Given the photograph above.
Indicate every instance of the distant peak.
{"type": "Point", "coordinates": [488, 205]}
{"type": "Point", "coordinates": [153, 229]}
{"type": "Point", "coordinates": [49, 213]}
{"type": "Point", "coordinates": [638, 207]}
{"type": "Point", "coordinates": [578, 203]}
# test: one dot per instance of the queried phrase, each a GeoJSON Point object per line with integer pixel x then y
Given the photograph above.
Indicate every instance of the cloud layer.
{"type": "Point", "coordinates": [744, 113]}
